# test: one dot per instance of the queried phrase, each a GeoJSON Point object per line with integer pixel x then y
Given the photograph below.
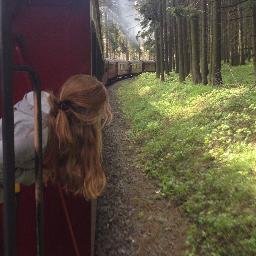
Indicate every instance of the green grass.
{"type": "Point", "coordinates": [199, 142]}
{"type": "Point", "coordinates": [238, 75]}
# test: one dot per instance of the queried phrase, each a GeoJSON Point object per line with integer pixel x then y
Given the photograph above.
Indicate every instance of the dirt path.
{"type": "Point", "coordinates": [132, 218]}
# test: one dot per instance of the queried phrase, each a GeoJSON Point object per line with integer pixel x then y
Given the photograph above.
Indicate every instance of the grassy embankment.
{"type": "Point", "coordinates": [199, 142]}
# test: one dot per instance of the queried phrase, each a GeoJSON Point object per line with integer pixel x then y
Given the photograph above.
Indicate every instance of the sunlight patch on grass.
{"type": "Point", "coordinates": [145, 90]}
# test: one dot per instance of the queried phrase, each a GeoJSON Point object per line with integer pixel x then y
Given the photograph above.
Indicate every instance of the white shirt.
{"type": "Point", "coordinates": [24, 138]}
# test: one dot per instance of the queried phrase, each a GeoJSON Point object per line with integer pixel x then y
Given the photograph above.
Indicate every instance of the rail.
{"type": "Point", "coordinates": [7, 131]}
{"type": "Point", "coordinates": [36, 86]}
{"type": "Point", "coordinates": [9, 156]}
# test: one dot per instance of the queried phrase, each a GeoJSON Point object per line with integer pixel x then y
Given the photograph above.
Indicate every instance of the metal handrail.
{"type": "Point", "coordinates": [7, 130]}
{"type": "Point", "coordinates": [36, 86]}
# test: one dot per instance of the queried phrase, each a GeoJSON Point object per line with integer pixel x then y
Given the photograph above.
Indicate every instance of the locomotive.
{"type": "Point", "coordinates": [49, 40]}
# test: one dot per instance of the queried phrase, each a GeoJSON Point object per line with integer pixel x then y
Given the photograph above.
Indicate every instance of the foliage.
{"type": "Point", "coordinates": [178, 11]}
{"type": "Point", "coordinates": [199, 142]}
{"type": "Point", "coordinates": [114, 36]}
{"type": "Point", "coordinates": [117, 37]}
{"type": "Point", "coordinates": [109, 5]}
{"type": "Point", "coordinates": [123, 44]}
{"type": "Point", "coordinates": [149, 20]}
{"type": "Point", "coordinates": [149, 11]}
{"type": "Point", "coordinates": [135, 51]}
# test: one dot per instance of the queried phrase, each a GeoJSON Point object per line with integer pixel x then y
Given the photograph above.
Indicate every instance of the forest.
{"type": "Point", "coordinates": [189, 36]}
{"type": "Point", "coordinates": [194, 120]}
{"type": "Point", "coordinates": [195, 37]}
{"type": "Point", "coordinates": [120, 30]}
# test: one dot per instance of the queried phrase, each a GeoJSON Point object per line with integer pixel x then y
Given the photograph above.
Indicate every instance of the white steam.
{"type": "Point", "coordinates": [127, 20]}
{"type": "Point", "coordinates": [125, 14]}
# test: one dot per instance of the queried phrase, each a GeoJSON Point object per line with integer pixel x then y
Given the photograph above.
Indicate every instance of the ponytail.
{"type": "Point", "coordinates": [73, 154]}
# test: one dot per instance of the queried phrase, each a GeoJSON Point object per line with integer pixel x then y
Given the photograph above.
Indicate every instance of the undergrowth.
{"type": "Point", "coordinates": [199, 142]}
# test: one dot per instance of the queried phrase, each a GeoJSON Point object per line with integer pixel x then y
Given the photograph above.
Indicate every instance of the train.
{"type": "Point", "coordinates": [50, 40]}
{"type": "Point", "coordinates": [116, 69]}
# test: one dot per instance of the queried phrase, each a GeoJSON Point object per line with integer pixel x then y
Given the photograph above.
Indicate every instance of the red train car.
{"type": "Point", "coordinates": [57, 38]}
{"type": "Point", "coordinates": [111, 69]}
{"type": "Point", "coordinates": [136, 67]}
{"type": "Point", "coordinates": [124, 68]}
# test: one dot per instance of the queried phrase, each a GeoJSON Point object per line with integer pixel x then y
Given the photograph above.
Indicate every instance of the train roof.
{"type": "Point", "coordinates": [149, 61]}
{"type": "Point", "coordinates": [136, 61]}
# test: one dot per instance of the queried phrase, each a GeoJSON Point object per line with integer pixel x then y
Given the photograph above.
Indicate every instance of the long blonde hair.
{"type": "Point", "coordinates": [73, 153]}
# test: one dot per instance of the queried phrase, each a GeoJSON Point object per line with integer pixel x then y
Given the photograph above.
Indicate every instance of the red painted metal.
{"type": "Point", "coordinates": [56, 39]}
{"type": "Point", "coordinates": [53, 38]}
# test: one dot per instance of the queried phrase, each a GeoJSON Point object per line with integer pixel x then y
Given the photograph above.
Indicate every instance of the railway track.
{"type": "Point", "coordinates": [133, 220]}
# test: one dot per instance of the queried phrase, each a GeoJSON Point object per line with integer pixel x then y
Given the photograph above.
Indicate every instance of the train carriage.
{"type": "Point", "coordinates": [55, 39]}
{"type": "Point", "coordinates": [136, 67]}
{"type": "Point", "coordinates": [149, 66]}
{"type": "Point", "coordinates": [111, 70]}
{"type": "Point", "coordinates": [124, 68]}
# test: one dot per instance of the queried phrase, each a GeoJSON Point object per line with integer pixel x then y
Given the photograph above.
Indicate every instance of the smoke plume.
{"type": "Point", "coordinates": [124, 14]}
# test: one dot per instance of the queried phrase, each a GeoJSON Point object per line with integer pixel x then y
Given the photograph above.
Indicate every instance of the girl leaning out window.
{"type": "Point", "coordinates": [72, 124]}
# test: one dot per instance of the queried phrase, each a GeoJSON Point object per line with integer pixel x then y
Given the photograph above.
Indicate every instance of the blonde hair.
{"type": "Point", "coordinates": [73, 153]}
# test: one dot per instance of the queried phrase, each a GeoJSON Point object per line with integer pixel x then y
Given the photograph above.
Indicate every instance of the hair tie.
{"type": "Point", "coordinates": [64, 105]}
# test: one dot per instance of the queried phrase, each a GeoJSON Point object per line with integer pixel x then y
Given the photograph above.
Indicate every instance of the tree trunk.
{"type": "Point", "coordinates": [241, 37]}
{"type": "Point", "coordinates": [106, 35]}
{"type": "Point", "coordinates": [171, 40]}
{"type": "Point", "coordinates": [176, 33]}
{"type": "Point", "coordinates": [158, 57]}
{"type": "Point", "coordinates": [162, 39]}
{"type": "Point", "coordinates": [248, 36]}
{"type": "Point", "coordinates": [127, 54]}
{"type": "Point", "coordinates": [186, 45]}
{"type": "Point", "coordinates": [204, 42]}
{"type": "Point", "coordinates": [176, 40]}
{"type": "Point", "coordinates": [180, 48]}
{"type": "Point", "coordinates": [234, 36]}
{"type": "Point", "coordinates": [166, 44]}
{"type": "Point", "coordinates": [210, 39]}
{"type": "Point", "coordinates": [254, 37]}
{"type": "Point", "coordinates": [188, 48]}
{"type": "Point", "coordinates": [216, 44]}
{"type": "Point", "coordinates": [195, 54]}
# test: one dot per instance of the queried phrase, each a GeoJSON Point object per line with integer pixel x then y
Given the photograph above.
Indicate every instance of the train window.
{"type": "Point", "coordinates": [49, 2]}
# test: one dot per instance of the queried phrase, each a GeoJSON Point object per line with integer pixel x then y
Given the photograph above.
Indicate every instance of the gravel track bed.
{"type": "Point", "coordinates": [132, 218]}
